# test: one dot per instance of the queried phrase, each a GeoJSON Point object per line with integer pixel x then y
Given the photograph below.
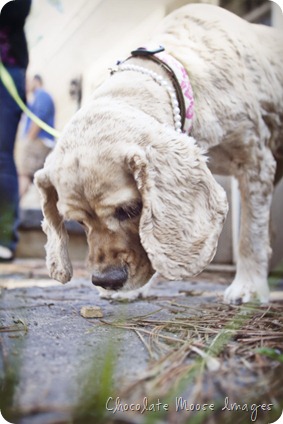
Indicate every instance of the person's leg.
{"type": "Point", "coordinates": [10, 114]}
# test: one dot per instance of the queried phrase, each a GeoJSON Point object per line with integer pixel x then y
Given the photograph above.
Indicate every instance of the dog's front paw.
{"type": "Point", "coordinates": [239, 292]}
{"type": "Point", "coordinates": [143, 292]}
{"type": "Point", "coordinates": [123, 296]}
{"type": "Point", "coordinates": [245, 290]}
{"type": "Point", "coordinates": [128, 296]}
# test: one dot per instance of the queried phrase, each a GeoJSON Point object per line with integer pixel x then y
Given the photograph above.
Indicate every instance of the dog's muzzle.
{"type": "Point", "coordinates": [112, 278]}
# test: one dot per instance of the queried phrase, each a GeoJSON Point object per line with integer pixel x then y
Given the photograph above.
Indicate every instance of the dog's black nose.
{"type": "Point", "coordinates": [112, 278]}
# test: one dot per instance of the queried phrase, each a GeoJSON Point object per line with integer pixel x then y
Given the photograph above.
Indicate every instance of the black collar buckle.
{"type": "Point", "coordinates": [142, 51]}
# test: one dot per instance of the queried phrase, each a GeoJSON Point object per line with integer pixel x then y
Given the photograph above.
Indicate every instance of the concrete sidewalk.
{"type": "Point", "coordinates": [48, 348]}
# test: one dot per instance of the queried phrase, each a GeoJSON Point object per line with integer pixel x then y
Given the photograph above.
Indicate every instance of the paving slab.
{"type": "Point", "coordinates": [49, 352]}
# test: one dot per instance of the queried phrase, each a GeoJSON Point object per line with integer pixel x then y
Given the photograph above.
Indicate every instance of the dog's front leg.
{"type": "Point", "coordinates": [256, 188]}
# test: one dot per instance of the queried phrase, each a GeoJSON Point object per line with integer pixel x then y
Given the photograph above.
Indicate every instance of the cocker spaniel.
{"type": "Point", "coordinates": [131, 166]}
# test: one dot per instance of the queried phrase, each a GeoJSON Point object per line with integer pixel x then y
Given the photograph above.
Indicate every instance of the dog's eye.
{"type": "Point", "coordinates": [123, 213]}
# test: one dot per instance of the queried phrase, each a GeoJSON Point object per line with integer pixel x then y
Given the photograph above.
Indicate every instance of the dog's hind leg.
{"type": "Point", "coordinates": [256, 188]}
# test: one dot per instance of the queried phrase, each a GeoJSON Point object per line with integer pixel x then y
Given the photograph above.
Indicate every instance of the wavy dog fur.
{"type": "Point", "coordinates": [143, 192]}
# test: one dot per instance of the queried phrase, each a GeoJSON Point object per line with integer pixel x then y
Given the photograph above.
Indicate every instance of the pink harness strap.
{"type": "Point", "coordinates": [185, 84]}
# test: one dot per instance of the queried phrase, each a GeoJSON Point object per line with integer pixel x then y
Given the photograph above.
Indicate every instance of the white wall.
{"type": "Point", "coordinates": [70, 38]}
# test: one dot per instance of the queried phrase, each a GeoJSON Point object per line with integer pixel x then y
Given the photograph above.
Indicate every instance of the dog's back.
{"type": "Point", "coordinates": [236, 72]}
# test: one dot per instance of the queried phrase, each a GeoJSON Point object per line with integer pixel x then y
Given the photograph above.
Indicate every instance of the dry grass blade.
{"type": "Point", "coordinates": [216, 337]}
{"type": "Point", "coordinates": [19, 325]}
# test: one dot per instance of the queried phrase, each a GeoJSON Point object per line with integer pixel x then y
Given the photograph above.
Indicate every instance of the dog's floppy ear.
{"type": "Point", "coordinates": [57, 256]}
{"type": "Point", "coordinates": [184, 208]}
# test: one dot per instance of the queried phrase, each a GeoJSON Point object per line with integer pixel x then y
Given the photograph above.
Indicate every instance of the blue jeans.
{"type": "Point", "coordinates": [10, 115]}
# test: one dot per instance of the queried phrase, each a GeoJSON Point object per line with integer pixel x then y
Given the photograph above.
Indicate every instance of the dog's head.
{"type": "Point", "coordinates": [142, 192]}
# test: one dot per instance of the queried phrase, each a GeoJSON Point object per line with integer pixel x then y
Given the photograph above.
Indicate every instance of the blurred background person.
{"type": "Point", "coordinates": [14, 56]}
{"type": "Point", "coordinates": [36, 143]}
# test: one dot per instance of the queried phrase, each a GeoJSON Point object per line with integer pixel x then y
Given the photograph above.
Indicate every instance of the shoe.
{"type": "Point", "coordinates": [6, 255]}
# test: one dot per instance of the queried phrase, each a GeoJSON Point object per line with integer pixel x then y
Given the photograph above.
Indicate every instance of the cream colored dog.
{"type": "Point", "coordinates": [143, 191]}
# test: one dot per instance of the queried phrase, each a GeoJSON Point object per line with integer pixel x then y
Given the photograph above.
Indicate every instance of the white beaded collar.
{"type": "Point", "coordinates": [181, 124]}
